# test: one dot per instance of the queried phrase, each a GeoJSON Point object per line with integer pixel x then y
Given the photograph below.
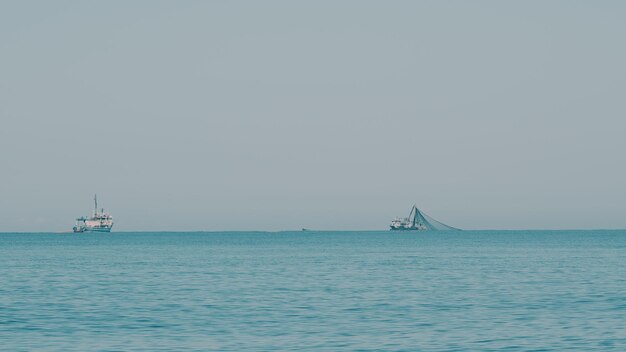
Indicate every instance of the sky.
{"type": "Point", "coordinates": [337, 115]}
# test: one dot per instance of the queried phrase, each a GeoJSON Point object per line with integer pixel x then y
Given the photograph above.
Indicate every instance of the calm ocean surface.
{"type": "Point", "coordinates": [453, 291]}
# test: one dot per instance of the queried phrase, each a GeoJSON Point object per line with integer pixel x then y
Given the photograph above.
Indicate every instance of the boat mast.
{"type": "Point", "coordinates": [95, 200]}
{"type": "Point", "coordinates": [415, 215]}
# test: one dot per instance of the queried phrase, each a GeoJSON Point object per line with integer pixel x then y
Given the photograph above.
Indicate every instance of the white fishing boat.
{"type": "Point", "coordinates": [418, 221]}
{"type": "Point", "coordinates": [98, 222]}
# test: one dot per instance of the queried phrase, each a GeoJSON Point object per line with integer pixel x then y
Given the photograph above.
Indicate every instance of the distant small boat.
{"type": "Point", "coordinates": [99, 222]}
{"type": "Point", "coordinates": [303, 229]}
{"type": "Point", "coordinates": [418, 221]}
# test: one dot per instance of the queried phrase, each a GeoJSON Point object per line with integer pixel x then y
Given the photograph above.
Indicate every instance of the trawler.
{"type": "Point", "coordinates": [418, 221]}
{"type": "Point", "coordinates": [99, 222]}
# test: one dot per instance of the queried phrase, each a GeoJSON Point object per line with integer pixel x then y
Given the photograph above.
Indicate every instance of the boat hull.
{"type": "Point", "coordinates": [81, 229]}
{"type": "Point", "coordinates": [407, 229]}
{"type": "Point", "coordinates": [97, 229]}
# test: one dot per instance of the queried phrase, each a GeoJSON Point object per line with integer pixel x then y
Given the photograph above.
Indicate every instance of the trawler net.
{"type": "Point", "coordinates": [432, 224]}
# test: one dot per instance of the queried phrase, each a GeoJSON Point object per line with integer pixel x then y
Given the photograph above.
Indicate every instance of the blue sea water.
{"type": "Point", "coordinates": [429, 291]}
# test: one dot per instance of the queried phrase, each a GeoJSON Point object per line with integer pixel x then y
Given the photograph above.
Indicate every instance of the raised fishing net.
{"type": "Point", "coordinates": [430, 223]}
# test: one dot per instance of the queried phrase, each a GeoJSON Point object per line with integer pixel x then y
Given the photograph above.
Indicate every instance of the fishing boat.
{"type": "Point", "coordinates": [418, 221]}
{"type": "Point", "coordinates": [98, 222]}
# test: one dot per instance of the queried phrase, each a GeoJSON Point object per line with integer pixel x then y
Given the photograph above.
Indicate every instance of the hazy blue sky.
{"type": "Point", "coordinates": [223, 115]}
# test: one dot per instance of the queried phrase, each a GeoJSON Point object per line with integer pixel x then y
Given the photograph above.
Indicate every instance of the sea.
{"type": "Point", "coordinates": [314, 291]}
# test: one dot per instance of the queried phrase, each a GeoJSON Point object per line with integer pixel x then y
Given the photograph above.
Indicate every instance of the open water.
{"type": "Point", "coordinates": [437, 291]}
